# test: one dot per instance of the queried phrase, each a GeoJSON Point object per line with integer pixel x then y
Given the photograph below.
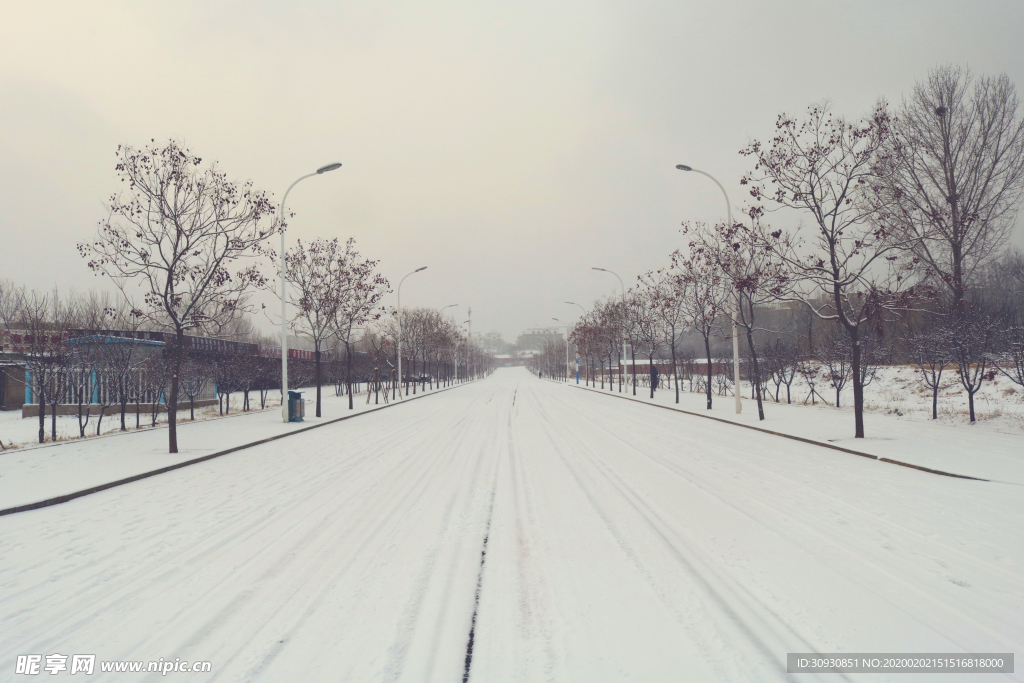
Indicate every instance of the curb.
{"type": "Point", "coordinates": [177, 466]}
{"type": "Point", "coordinates": [784, 436]}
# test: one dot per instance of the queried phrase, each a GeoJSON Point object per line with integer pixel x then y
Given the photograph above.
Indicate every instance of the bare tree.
{"type": "Point", "coordinates": [705, 305]}
{"type": "Point", "coordinates": [314, 275]}
{"type": "Point", "coordinates": [931, 353]}
{"type": "Point", "coordinates": [971, 338]}
{"type": "Point", "coordinates": [155, 375]}
{"type": "Point", "coordinates": [176, 232]}
{"type": "Point", "coordinates": [36, 329]}
{"type": "Point", "coordinates": [196, 373]}
{"type": "Point", "coordinates": [834, 356]}
{"type": "Point", "coordinates": [1010, 358]}
{"type": "Point", "coordinates": [361, 289]}
{"type": "Point", "coordinates": [956, 158]}
{"type": "Point", "coordinates": [666, 290]}
{"type": "Point", "coordinates": [827, 167]}
{"type": "Point", "coordinates": [746, 256]}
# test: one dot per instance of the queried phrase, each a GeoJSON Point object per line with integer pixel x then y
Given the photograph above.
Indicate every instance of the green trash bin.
{"type": "Point", "coordinates": [296, 406]}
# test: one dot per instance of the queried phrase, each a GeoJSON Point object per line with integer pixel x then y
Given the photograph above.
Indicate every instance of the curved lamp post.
{"type": "Point", "coordinates": [605, 270]}
{"type": "Point", "coordinates": [400, 330]}
{"type": "Point", "coordinates": [584, 311]}
{"type": "Point", "coordinates": [736, 310]}
{"type": "Point", "coordinates": [456, 348]}
{"type": "Point", "coordinates": [566, 349]}
{"type": "Point", "coordinates": [284, 316]}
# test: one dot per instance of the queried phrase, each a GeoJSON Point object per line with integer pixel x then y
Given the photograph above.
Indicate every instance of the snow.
{"type": "Point", "coordinates": [36, 473]}
{"type": "Point", "coordinates": [989, 449]}
{"type": "Point", "coordinates": [624, 542]}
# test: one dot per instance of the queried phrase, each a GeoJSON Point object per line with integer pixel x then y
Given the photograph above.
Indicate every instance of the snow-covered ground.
{"type": "Point", "coordinates": [24, 432]}
{"type": "Point", "coordinates": [623, 542]}
{"type": "Point", "coordinates": [897, 390]}
{"type": "Point", "coordinates": [979, 450]}
{"type": "Point", "coordinates": [40, 472]}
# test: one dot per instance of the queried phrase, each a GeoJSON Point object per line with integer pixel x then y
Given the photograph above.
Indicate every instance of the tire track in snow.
{"type": "Point", "coordinates": [737, 608]}
{"type": "Point", "coordinates": [476, 600]}
{"type": "Point", "coordinates": [802, 532]}
{"type": "Point", "coordinates": [471, 639]}
{"type": "Point", "coordinates": [644, 444]}
{"type": "Point", "coordinates": [127, 587]}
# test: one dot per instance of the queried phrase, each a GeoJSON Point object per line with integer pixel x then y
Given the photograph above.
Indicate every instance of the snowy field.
{"type": "Point", "coordinates": [897, 390]}
{"type": "Point", "coordinates": [623, 542]}
{"type": "Point", "coordinates": [982, 450]}
{"type": "Point", "coordinates": [39, 472]}
{"type": "Point", "coordinates": [24, 432]}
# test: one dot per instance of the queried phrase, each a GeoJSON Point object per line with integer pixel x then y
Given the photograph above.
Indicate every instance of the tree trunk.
{"type": "Point", "coordinates": [317, 356]}
{"type": "Point", "coordinates": [707, 350]}
{"type": "Point", "coordinates": [632, 353]}
{"type": "Point", "coordinates": [650, 366]}
{"type": "Point", "coordinates": [858, 387]}
{"type": "Point", "coordinates": [757, 372]}
{"type": "Point", "coordinates": [172, 405]}
{"type": "Point", "coordinates": [970, 404]}
{"type": "Point", "coordinates": [348, 373]}
{"type": "Point", "coordinates": [675, 368]}
{"type": "Point", "coordinates": [41, 400]}
{"type": "Point", "coordinates": [124, 402]}
{"type": "Point", "coordinates": [81, 427]}
{"type": "Point", "coordinates": [622, 370]}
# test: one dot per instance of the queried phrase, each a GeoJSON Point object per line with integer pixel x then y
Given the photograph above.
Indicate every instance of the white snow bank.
{"type": "Point", "coordinates": [964, 449]}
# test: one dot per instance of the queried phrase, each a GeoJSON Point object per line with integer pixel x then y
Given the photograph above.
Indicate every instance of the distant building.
{"type": "Point", "coordinates": [534, 338]}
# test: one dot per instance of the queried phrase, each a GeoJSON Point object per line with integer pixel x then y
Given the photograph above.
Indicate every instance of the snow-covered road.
{"type": "Point", "coordinates": [623, 542]}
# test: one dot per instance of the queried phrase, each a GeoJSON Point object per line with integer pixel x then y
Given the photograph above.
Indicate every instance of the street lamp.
{"type": "Point", "coordinates": [544, 356]}
{"type": "Point", "coordinates": [284, 315]}
{"type": "Point", "coordinates": [566, 350]}
{"type": "Point", "coordinates": [456, 348]}
{"type": "Point", "coordinates": [605, 270]}
{"type": "Point", "coordinates": [736, 310]}
{"type": "Point", "coordinates": [400, 331]}
{"type": "Point", "coordinates": [573, 303]}
{"type": "Point", "coordinates": [584, 311]}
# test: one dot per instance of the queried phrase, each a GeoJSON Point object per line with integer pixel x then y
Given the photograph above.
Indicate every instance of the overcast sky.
{"type": "Point", "coordinates": [509, 146]}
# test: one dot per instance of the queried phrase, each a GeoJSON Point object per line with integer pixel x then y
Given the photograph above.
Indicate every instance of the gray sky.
{"type": "Point", "coordinates": [507, 146]}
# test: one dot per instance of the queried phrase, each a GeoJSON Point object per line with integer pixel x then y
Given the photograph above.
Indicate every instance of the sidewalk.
{"type": "Point", "coordinates": [959, 449]}
{"type": "Point", "coordinates": [28, 475]}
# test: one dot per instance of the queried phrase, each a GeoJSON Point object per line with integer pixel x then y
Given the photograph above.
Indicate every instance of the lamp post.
{"type": "Point", "coordinates": [284, 314]}
{"type": "Point", "coordinates": [400, 332]}
{"type": "Point", "coordinates": [453, 321]}
{"type": "Point", "coordinates": [544, 354]}
{"type": "Point", "coordinates": [566, 348]}
{"type": "Point", "coordinates": [457, 349]}
{"type": "Point", "coordinates": [736, 309]}
{"type": "Point", "coordinates": [584, 311]}
{"type": "Point", "coordinates": [605, 270]}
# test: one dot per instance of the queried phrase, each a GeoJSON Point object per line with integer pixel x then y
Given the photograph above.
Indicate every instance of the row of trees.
{"type": "Point", "coordinates": [187, 241]}
{"type": "Point", "coordinates": [905, 216]}
{"type": "Point", "coordinates": [86, 372]}
{"type": "Point", "coordinates": [69, 359]}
